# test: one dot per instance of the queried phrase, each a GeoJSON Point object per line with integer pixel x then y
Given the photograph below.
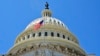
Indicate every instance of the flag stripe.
{"type": "Point", "coordinates": [38, 25]}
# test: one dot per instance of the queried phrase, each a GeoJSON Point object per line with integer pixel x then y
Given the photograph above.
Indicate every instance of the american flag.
{"type": "Point", "coordinates": [38, 25]}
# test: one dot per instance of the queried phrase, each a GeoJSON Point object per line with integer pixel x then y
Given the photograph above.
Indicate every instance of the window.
{"type": "Point", "coordinates": [24, 49]}
{"type": "Point", "coordinates": [46, 34]}
{"type": "Point", "coordinates": [23, 38]}
{"type": "Point", "coordinates": [31, 47]}
{"type": "Point", "coordinates": [39, 34]}
{"type": "Point", "coordinates": [10, 54]}
{"type": "Point", "coordinates": [54, 21]}
{"type": "Point", "coordinates": [33, 34]}
{"type": "Point", "coordinates": [58, 35]}
{"type": "Point", "coordinates": [63, 36]}
{"type": "Point", "coordinates": [62, 25]}
{"type": "Point", "coordinates": [52, 34]}
{"type": "Point", "coordinates": [68, 38]}
{"type": "Point", "coordinates": [28, 36]}
{"type": "Point", "coordinates": [58, 23]}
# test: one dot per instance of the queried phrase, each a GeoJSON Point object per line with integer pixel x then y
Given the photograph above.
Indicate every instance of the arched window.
{"type": "Point", "coordinates": [10, 54]}
{"type": "Point", "coordinates": [31, 47]}
{"type": "Point", "coordinates": [23, 38]}
{"type": "Point", "coordinates": [58, 35]}
{"type": "Point", "coordinates": [63, 36]}
{"type": "Point", "coordinates": [39, 34]}
{"type": "Point", "coordinates": [46, 34]}
{"type": "Point", "coordinates": [33, 34]}
{"type": "Point", "coordinates": [28, 36]}
{"type": "Point", "coordinates": [54, 21]}
{"type": "Point", "coordinates": [62, 25]}
{"type": "Point", "coordinates": [24, 49]}
{"type": "Point", "coordinates": [58, 22]}
{"type": "Point", "coordinates": [68, 38]}
{"type": "Point", "coordinates": [52, 34]}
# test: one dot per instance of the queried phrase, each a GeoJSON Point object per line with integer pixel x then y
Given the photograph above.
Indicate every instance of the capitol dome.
{"type": "Point", "coordinates": [52, 39]}
{"type": "Point", "coordinates": [47, 20]}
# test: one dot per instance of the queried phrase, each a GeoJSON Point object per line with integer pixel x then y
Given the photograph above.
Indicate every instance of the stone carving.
{"type": "Point", "coordinates": [31, 47]}
{"type": "Point", "coordinates": [54, 47]}
{"type": "Point", "coordinates": [58, 48]}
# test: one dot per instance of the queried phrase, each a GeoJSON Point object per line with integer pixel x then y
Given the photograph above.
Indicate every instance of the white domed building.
{"type": "Point", "coordinates": [51, 38]}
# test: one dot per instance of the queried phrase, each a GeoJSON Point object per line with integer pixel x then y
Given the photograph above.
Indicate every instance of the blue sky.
{"type": "Point", "coordinates": [81, 17]}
